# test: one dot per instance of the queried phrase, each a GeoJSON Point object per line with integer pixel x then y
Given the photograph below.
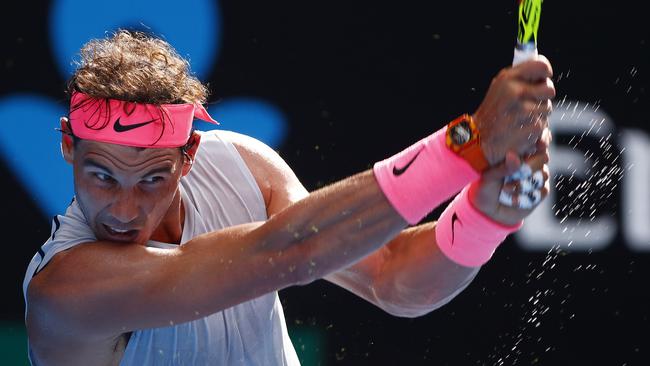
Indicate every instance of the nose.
{"type": "Point", "coordinates": [125, 208]}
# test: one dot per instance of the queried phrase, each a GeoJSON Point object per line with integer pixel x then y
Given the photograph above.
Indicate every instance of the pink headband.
{"type": "Point", "coordinates": [133, 124]}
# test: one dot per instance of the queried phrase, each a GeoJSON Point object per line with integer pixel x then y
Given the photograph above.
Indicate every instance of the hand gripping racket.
{"type": "Point", "coordinates": [525, 49]}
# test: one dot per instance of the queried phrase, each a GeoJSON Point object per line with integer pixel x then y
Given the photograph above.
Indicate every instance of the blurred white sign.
{"type": "Point", "coordinates": [594, 173]}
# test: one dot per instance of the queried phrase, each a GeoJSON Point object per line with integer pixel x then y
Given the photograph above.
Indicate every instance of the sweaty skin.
{"type": "Point", "coordinates": [347, 233]}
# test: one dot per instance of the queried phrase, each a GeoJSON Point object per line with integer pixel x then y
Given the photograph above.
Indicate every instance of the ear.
{"type": "Point", "coordinates": [67, 148]}
{"type": "Point", "coordinates": [191, 148]}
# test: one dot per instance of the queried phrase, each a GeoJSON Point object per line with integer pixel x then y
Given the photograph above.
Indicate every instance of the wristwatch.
{"type": "Point", "coordinates": [463, 138]}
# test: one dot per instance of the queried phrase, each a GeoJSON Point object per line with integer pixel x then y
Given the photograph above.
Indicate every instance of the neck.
{"type": "Point", "coordinates": [170, 229]}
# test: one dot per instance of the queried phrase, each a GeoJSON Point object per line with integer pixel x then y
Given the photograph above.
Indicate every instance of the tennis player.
{"type": "Point", "coordinates": [177, 241]}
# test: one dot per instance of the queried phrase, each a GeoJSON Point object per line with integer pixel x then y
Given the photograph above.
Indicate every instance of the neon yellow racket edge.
{"type": "Point", "coordinates": [528, 22]}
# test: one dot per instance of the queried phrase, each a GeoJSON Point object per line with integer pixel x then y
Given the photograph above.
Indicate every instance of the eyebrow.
{"type": "Point", "coordinates": [93, 163]}
{"type": "Point", "coordinates": [164, 169]}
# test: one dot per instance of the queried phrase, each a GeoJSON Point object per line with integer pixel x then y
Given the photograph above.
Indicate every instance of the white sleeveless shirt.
{"type": "Point", "coordinates": [219, 191]}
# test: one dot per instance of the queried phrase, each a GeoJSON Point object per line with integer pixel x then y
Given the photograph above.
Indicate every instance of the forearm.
{"type": "Point", "coordinates": [419, 277]}
{"type": "Point", "coordinates": [329, 230]}
{"type": "Point", "coordinates": [408, 277]}
{"type": "Point", "coordinates": [333, 227]}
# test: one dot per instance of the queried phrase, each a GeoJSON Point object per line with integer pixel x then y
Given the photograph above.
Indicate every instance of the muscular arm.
{"type": "Point", "coordinates": [408, 277]}
{"type": "Point", "coordinates": [97, 291]}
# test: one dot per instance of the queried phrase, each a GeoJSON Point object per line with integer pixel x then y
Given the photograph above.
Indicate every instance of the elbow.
{"type": "Point", "coordinates": [46, 320]}
{"type": "Point", "coordinates": [42, 315]}
{"type": "Point", "coordinates": [401, 305]}
{"type": "Point", "coordinates": [412, 310]}
{"type": "Point", "coordinates": [406, 312]}
{"type": "Point", "coordinates": [51, 311]}
{"type": "Point", "coordinates": [41, 302]}
{"type": "Point", "coordinates": [406, 302]}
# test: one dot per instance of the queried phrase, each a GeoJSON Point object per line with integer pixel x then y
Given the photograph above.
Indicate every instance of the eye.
{"type": "Point", "coordinates": [103, 177]}
{"type": "Point", "coordinates": [153, 180]}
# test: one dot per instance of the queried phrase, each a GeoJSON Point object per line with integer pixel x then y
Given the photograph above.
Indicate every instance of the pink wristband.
{"type": "Point", "coordinates": [420, 178]}
{"type": "Point", "coordinates": [467, 236]}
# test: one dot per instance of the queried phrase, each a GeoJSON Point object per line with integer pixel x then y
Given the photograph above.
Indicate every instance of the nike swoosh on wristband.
{"type": "Point", "coordinates": [118, 127]}
{"type": "Point", "coordinates": [454, 218]}
{"type": "Point", "coordinates": [399, 171]}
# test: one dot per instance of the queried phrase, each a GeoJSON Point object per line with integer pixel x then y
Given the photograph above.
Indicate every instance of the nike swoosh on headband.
{"type": "Point", "coordinates": [118, 127]}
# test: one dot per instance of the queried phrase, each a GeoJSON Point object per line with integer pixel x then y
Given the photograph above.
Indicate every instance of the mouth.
{"type": "Point", "coordinates": [120, 234]}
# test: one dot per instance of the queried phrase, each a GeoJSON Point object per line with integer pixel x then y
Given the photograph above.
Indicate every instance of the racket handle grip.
{"type": "Point", "coordinates": [523, 54]}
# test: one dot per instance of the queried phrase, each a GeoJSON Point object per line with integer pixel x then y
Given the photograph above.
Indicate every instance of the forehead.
{"type": "Point", "coordinates": [124, 156]}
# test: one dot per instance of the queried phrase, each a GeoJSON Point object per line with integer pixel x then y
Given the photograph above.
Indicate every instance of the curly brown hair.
{"type": "Point", "coordinates": [137, 67]}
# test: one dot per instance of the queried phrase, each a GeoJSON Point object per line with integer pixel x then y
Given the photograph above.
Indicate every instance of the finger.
{"type": "Point", "coordinates": [540, 147]}
{"type": "Point", "coordinates": [524, 172]}
{"type": "Point", "coordinates": [545, 140]}
{"type": "Point", "coordinates": [530, 200]}
{"type": "Point", "coordinates": [523, 201]}
{"type": "Point", "coordinates": [537, 68]}
{"type": "Point", "coordinates": [547, 172]}
{"type": "Point", "coordinates": [519, 186]}
{"type": "Point", "coordinates": [546, 61]}
{"type": "Point", "coordinates": [540, 91]}
{"type": "Point", "coordinates": [511, 187]}
{"type": "Point", "coordinates": [526, 186]}
{"type": "Point", "coordinates": [512, 162]}
{"type": "Point", "coordinates": [546, 189]}
{"type": "Point", "coordinates": [538, 179]}
{"type": "Point", "coordinates": [534, 182]}
{"type": "Point", "coordinates": [497, 173]}
{"type": "Point", "coordinates": [530, 165]}
{"type": "Point", "coordinates": [526, 137]}
{"type": "Point", "coordinates": [506, 198]}
{"type": "Point", "coordinates": [534, 111]}
{"type": "Point", "coordinates": [536, 162]}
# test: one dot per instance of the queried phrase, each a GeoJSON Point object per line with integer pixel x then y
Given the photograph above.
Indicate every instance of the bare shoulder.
{"type": "Point", "coordinates": [259, 157]}
{"type": "Point", "coordinates": [279, 184]}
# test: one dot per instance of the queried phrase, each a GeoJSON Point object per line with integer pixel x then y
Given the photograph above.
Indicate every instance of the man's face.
{"type": "Point", "coordinates": [124, 192]}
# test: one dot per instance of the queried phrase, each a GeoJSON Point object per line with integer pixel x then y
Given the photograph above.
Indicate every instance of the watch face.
{"type": "Point", "coordinates": [461, 133]}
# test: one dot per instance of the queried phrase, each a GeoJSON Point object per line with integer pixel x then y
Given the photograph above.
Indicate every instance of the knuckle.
{"type": "Point", "coordinates": [550, 84]}
{"type": "Point", "coordinates": [548, 68]}
{"type": "Point", "coordinates": [549, 107]}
